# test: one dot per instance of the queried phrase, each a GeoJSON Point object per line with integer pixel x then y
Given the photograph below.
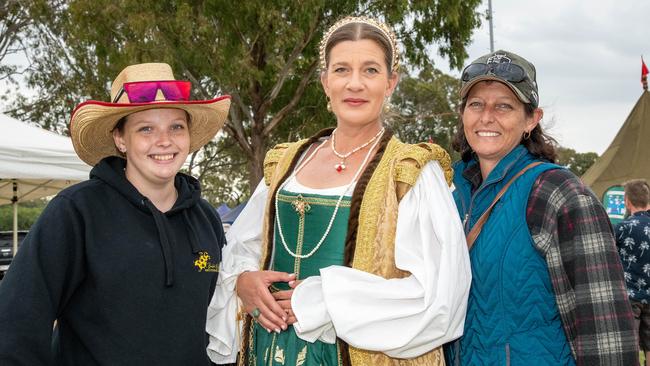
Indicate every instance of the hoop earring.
{"type": "Point", "coordinates": [526, 135]}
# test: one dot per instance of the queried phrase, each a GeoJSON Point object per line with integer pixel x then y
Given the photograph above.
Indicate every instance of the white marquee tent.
{"type": "Point", "coordinates": [34, 163]}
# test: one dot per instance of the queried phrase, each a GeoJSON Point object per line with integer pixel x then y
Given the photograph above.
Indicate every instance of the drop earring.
{"type": "Point", "coordinates": [387, 107]}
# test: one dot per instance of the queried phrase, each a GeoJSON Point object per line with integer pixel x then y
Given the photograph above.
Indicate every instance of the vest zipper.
{"type": "Point", "coordinates": [507, 354]}
{"type": "Point", "coordinates": [471, 200]}
{"type": "Point", "coordinates": [471, 206]}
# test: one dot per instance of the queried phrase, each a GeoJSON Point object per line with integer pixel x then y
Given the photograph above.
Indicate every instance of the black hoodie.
{"type": "Point", "coordinates": [128, 285]}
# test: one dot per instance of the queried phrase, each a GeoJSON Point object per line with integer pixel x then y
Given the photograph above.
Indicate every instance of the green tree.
{"type": "Point", "coordinates": [14, 24]}
{"type": "Point", "coordinates": [577, 162]}
{"type": "Point", "coordinates": [28, 213]}
{"type": "Point", "coordinates": [426, 108]}
{"type": "Point", "coordinates": [263, 53]}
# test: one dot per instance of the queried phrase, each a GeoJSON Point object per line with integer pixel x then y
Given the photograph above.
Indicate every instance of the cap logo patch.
{"type": "Point", "coordinates": [534, 94]}
{"type": "Point", "coordinates": [498, 58]}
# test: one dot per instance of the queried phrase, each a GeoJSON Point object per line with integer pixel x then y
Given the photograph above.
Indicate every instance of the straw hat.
{"type": "Point", "coordinates": [92, 122]}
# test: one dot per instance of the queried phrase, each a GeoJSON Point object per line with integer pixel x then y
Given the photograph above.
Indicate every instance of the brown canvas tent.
{"type": "Point", "coordinates": [628, 156]}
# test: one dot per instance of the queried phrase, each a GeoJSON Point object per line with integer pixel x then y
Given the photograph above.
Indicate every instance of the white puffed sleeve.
{"type": "Point", "coordinates": [403, 317]}
{"type": "Point", "coordinates": [242, 253]}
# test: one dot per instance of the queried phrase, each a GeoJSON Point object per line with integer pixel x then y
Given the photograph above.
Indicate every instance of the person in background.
{"type": "Point", "coordinates": [350, 251]}
{"type": "Point", "coordinates": [633, 242]}
{"type": "Point", "coordinates": [547, 283]}
{"type": "Point", "coordinates": [125, 262]}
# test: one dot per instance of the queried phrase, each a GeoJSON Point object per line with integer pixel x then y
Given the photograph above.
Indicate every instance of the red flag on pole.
{"type": "Point", "coordinates": [644, 74]}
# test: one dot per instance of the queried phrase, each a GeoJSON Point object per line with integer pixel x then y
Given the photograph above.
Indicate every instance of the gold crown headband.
{"type": "Point", "coordinates": [383, 28]}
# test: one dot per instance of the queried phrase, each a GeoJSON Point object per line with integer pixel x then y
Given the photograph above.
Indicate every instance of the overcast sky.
{"type": "Point", "coordinates": [588, 60]}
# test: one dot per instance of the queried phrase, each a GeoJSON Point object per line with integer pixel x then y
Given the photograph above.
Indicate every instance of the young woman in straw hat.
{"type": "Point", "coordinates": [362, 223]}
{"type": "Point", "coordinates": [125, 262]}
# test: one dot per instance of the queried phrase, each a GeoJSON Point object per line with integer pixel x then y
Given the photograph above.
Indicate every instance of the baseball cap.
{"type": "Point", "coordinates": [506, 67]}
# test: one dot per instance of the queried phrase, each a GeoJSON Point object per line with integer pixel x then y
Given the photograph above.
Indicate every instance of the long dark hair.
{"type": "Point", "coordinates": [539, 143]}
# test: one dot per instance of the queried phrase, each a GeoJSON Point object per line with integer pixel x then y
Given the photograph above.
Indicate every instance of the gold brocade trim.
{"type": "Point", "coordinates": [279, 160]}
{"type": "Point", "coordinates": [299, 242]}
{"type": "Point", "coordinates": [302, 205]}
{"type": "Point", "coordinates": [252, 358]}
{"type": "Point", "coordinates": [408, 168]}
{"type": "Point", "coordinates": [395, 174]}
{"type": "Point", "coordinates": [432, 358]}
{"type": "Point", "coordinates": [442, 157]}
{"type": "Point", "coordinates": [375, 246]}
{"type": "Point", "coordinates": [302, 356]}
{"type": "Point", "coordinates": [339, 361]}
{"type": "Point", "coordinates": [278, 354]}
{"type": "Point", "coordinates": [315, 200]}
{"type": "Point", "coordinates": [271, 351]}
{"type": "Point", "coordinates": [372, 209]}
{"type": "Point", "coordinates": [372, 214]}
{"type": "Point", "coordinates": [271, 159]}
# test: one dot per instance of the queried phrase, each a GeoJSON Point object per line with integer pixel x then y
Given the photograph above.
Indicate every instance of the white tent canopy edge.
{"type": "Point", "coordinates": [34, 163]}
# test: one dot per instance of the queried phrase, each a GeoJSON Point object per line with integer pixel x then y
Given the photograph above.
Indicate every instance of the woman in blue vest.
{"type": "Point", "coordinates": [547, 286]}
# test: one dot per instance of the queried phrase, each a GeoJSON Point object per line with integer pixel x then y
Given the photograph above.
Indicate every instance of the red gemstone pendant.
{"type": "Point", "coordinates": [339, 167]}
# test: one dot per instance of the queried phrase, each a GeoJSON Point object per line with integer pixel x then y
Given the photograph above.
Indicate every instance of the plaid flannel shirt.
{"type": "Point", "coordinates": [572, 232]}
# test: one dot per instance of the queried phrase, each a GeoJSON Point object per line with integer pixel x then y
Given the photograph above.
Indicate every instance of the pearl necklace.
{"type": "Point", "coordinates": [336, 208]}
{"type": "Point", "coordinates": [341, 166]}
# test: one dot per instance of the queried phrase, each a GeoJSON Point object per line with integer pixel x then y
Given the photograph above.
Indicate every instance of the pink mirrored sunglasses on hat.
{"type": "Point", "coordinates": [145, 91]}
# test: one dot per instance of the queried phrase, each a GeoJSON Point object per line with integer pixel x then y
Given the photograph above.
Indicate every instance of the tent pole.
{"type": "Point", "coordinates": [14, 203]}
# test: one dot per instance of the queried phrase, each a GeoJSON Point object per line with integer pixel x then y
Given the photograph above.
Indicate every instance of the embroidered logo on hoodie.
{"type": "Point", "coordinates": [203, 264]}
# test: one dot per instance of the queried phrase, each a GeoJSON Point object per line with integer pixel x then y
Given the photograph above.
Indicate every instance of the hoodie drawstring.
{"type": "Point", "coordinates": [194, 241]}
{"type": "Point", "coordinates": [161, 225]}
{"type": "Point", "coordinates": [216, 225]}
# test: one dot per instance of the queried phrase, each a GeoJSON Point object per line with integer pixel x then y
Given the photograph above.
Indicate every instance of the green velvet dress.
{"type": "Point", "coordinates": [304, 219]}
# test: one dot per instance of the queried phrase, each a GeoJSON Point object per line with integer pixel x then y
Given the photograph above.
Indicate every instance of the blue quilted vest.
{"type": "Point", "coordinates": [512, 316]}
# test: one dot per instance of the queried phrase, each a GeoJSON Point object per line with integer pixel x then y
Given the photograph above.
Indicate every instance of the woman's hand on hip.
{"type": "Point", "coordinates": [257, 300]}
